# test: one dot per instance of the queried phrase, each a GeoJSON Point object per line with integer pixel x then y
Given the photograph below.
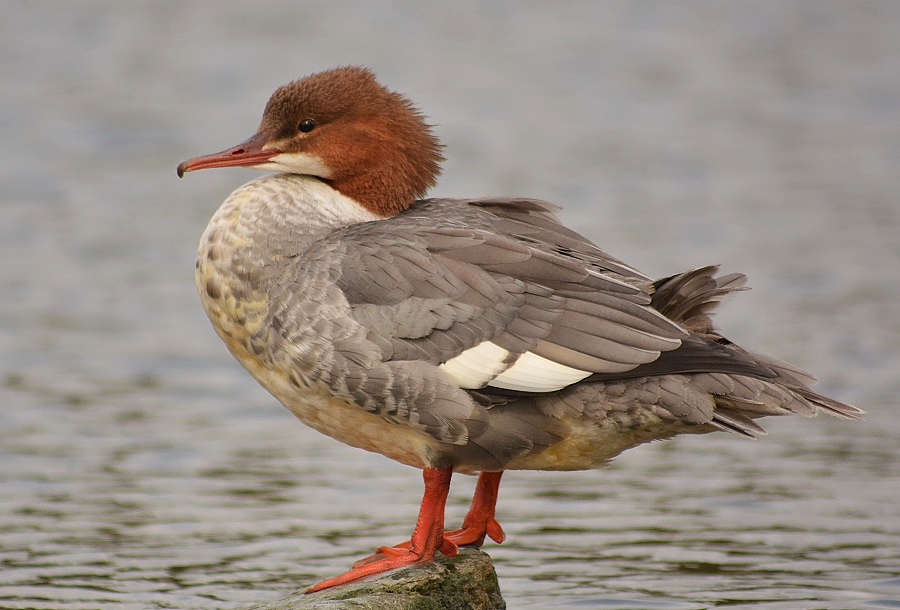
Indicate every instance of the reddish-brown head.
{"type": "Point", "coordinates": [340, 125]}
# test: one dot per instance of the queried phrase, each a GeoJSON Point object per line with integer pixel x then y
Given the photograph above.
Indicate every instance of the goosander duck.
{"type": "Point", "coordinates": [455, 335]}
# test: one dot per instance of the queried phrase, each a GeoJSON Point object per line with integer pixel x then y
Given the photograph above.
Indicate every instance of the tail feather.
{"type": "Point", "coordinates": [829, 405]}
{"type": "Point", "coordinates": [689, 298]}
{"type": "Point", "coordinates": [731, 420]}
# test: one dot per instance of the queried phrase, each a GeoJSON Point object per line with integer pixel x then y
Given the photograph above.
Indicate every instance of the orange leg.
{"type": "Point", "coordinates": [427, 538]}
{"type": "Point", "coordinates": [480, 519]}
{"type": "Point", "coordinates": [479, 522]}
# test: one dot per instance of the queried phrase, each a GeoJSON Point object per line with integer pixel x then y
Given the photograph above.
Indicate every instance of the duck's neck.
{"type": "Point", "coordinates": [284, 214]}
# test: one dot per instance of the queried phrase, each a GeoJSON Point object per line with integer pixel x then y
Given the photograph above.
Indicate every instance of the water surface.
{"type": "Point", "coordinates": [142, 468]}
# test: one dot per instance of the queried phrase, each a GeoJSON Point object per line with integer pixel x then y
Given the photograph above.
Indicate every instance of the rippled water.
{"type": "Point", "coordinates": [142, 468]}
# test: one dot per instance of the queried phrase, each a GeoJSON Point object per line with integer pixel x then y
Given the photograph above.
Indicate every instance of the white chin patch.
{"type": "Point", "coordinates": [297, 163]}
{"type": "Point", "coordinates": [488, 364]}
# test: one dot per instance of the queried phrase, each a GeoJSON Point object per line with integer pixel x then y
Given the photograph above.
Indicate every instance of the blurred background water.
{"type": "Point", "coordinates": [140, 467]}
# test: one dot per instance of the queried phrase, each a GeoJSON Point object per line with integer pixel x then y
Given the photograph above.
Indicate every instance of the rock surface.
{"type": "Point", "coordinates": [465, 582]}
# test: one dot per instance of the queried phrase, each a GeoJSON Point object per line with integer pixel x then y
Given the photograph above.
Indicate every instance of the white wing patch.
{"type": "Point", "coordinates": [488, 364]}
{"type": "Point", "coordinates": [533, 373]}
{"type": "Point", "coordinates": [476, 366]}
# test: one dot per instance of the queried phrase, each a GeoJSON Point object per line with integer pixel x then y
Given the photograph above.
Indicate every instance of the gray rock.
{"type": "Point", "coordinates": [465, 582]}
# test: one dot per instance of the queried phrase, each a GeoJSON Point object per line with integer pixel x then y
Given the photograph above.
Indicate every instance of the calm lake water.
{"type": "Point", "coordinates": [140, 467]}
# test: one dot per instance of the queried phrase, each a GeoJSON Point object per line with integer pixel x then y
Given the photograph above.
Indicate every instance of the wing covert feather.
{"type": "Point", "coordinates": [443, 279]}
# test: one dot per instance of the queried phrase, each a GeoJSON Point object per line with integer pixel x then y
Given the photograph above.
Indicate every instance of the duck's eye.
{"type": "Point", "coordinates": [306, 125]}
